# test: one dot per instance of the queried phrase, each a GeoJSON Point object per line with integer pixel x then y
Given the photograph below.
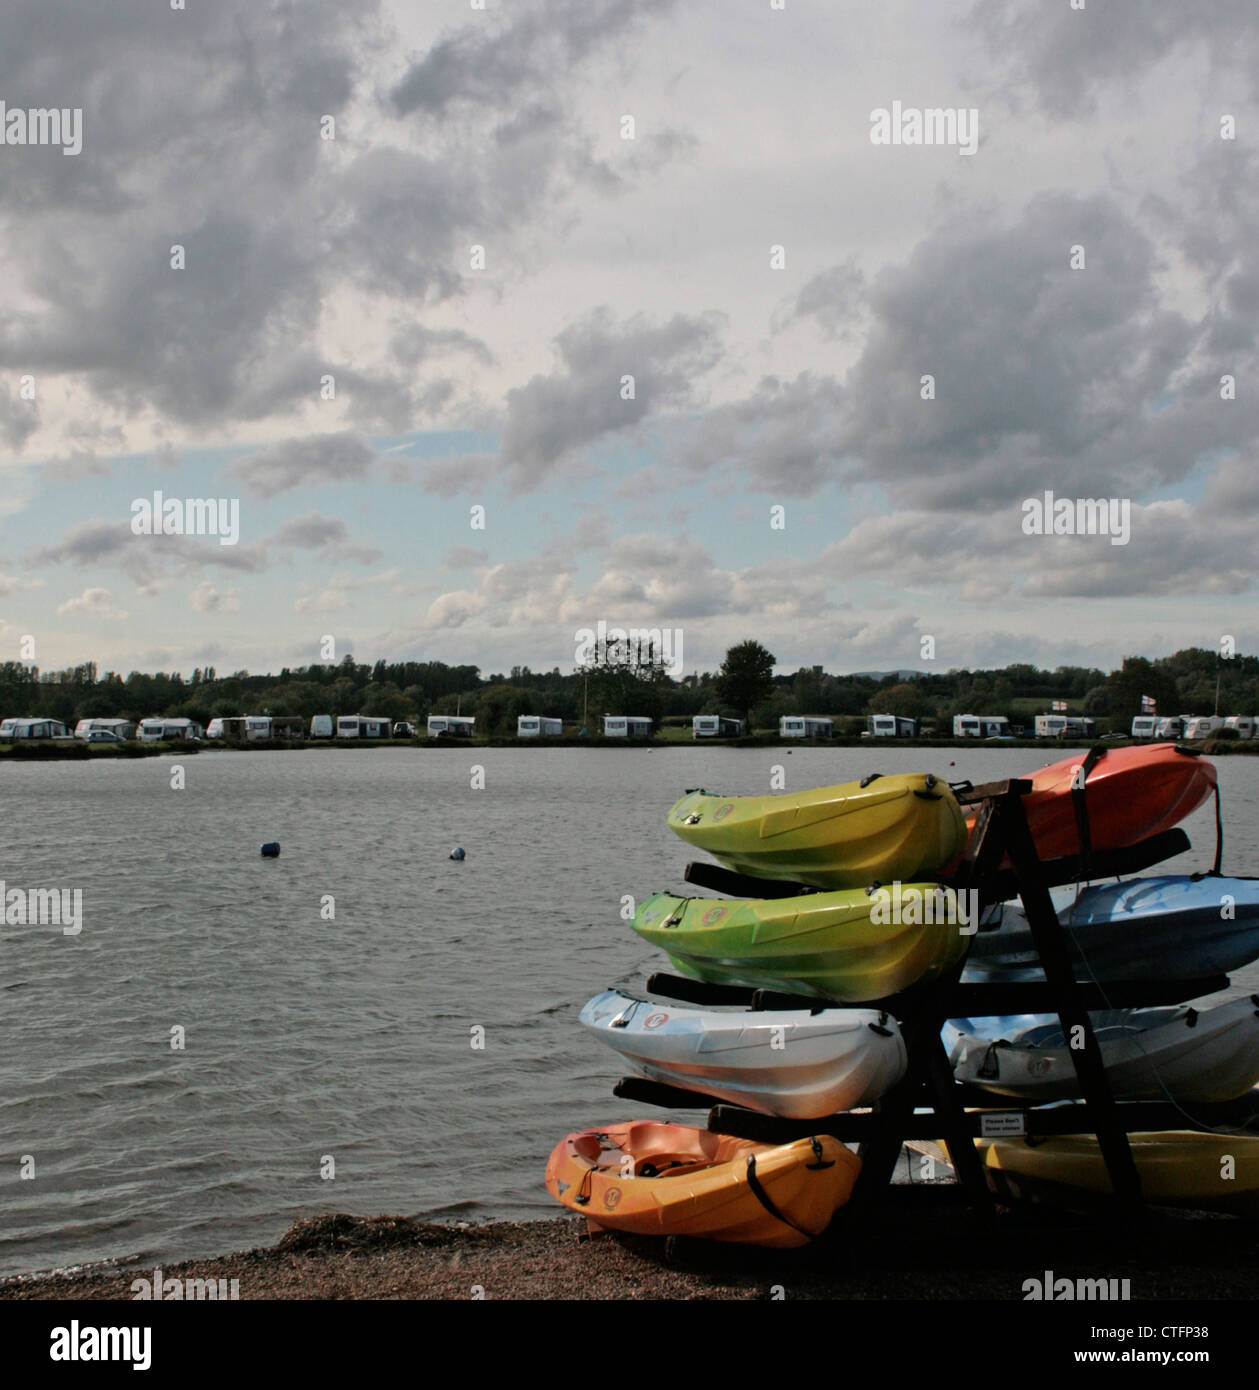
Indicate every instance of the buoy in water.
{"type": "Point", "coordinates": [457, 854]}
{"type": "Point", "coordinates": [271, 850]}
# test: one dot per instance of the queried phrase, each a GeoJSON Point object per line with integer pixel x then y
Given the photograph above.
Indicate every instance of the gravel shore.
{"type": "Point", "coordinates": [925, 1247]}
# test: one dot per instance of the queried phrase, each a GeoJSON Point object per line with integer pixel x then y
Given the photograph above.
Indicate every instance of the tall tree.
{"type": "Point", "coordinates": [746, 678]}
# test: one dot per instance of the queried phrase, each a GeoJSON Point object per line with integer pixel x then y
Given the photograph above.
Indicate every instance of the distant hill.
{"type": "Point", "coordinates": [883, 675]}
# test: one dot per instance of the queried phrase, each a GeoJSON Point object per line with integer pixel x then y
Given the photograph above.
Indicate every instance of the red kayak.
{"type": "Point", "coordinates": [1131, 794]}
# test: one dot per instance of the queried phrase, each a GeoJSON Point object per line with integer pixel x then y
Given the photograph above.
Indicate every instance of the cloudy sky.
{"type": "Point", "coordinates": [421, 258]}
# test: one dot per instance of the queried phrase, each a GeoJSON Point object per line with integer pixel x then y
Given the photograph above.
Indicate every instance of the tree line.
{"type": "Point", "coordinates": [744, 687]}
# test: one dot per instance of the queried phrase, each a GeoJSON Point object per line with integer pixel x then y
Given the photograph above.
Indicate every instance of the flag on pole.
{"type": "Point", "coordinates": [1149, 705]}
{"type": "Point", "coordinates": [1058, 705]}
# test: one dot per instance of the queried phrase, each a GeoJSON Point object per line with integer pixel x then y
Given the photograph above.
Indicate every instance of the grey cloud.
{"type": "Point", "coordinates": [321, 458]}
{"type": "Point", "coordinates": [1044, 376]}
{"type": "Point", "coordinates": [494, 67]}
{"type": "Point", "coordinates": [551, 417]}
{"type": "Point", "coordinates": [414, 343]}
{"type": "Point", "coordinates": [449, 477]}
{"type": "Point", "coordinates": [786, 436]}
{"type": "Point", "coordinates": [834, 299]}
{"type": "Point", "coordinates": [1068, 57]}
{"type": "Point", "coordinates": [464, 557]}
{"type": "Point", "coordinates": [18, 418]}
{"type": "Point", "coordinates": [311, 531]}
{"type": "Point", "coordinates": [272, 219]}
{"type": "Point", "coordinates": [1175, 548]}
{"type": "Point", "coordinates": [151, 562]}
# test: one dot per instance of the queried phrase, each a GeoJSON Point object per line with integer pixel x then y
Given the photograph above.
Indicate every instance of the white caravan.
{"type": "Point", "coordinates": [451, 725]}
{"type": "Point", "coordinates": [13, 729]}
{"type": "Point", "coordinates": [626, 726]}
{"type": "Point", "coordinates": [362, 726]}
{"type": "Point", "coordinates": [892, 726]}
{"type": "Point", "coordinates": [715, 726]}
{"type": "Point", "coordinates": [803, 726]}
{"type": "Point", "coordinates": [536, 726]}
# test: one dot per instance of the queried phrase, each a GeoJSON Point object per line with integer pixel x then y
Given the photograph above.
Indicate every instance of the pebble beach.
{"type": "Point", "coordinates": [927, 1249]}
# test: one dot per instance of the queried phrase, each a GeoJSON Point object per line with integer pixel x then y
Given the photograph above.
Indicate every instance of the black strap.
{"type": "Point", "coordinates": [766, 1200]}
{"type": "Point", "coordinates": [1219, 833]}
{"type": "Point", "coordinates": [1080, 806]}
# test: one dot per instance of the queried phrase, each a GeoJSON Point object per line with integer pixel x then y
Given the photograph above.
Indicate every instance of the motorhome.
{"type": "Point", "coordinates": [232, 729]}
{"type": "Point", "coordinates": [14, 729]}
{"type": "Point", "coordinates": [715, 726]}
{"type": "Point", "coordinates": [120, 728]}
{"type": "Point", "coordinates": [626, 726]}
{"type": "Point", "coordinates": [892, 726]}
{"type": "Point", "coordinates": [536, 726]}
{"type": "Point", "coordinates": [1064, 726]}
{"type": "Point", "coordinates": [153, 730]}
{"type": "Point", "coordinates": [1203, 726]}
{"type": "Point", "coordinates": [321, 726]}
{"type": "Point", "coordinates": [1242, 724]}
{"type": "Point", "coordinates": [1145, 726]}
{"type": "Point", "coordinates": [967, 726]}
{"type": "Point", "coordinates": [362, 726]}
{"type": "Point", "coordinates": [451, 725]}
{"type": "Point", "coordinates": [804, 726]}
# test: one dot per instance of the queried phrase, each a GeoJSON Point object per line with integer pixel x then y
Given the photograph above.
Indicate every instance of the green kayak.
{"type": "Point", "coordinates": [849, 946]}
{"type": "Point", "coordinates": [906, 826]}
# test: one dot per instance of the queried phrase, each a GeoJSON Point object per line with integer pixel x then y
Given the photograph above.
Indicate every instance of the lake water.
{"type": "Point", "coordinates": [352, 1037]}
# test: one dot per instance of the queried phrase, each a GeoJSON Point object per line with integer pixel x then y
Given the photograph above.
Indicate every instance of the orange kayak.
{"type": "Point", "coordinates": [659, 1179]}
{"type": "Point", "coordinates": [1130, 793]}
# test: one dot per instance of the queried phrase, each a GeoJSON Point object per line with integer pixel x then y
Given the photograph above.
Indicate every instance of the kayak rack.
{"type": "Point", "coordinates": [999, 862]}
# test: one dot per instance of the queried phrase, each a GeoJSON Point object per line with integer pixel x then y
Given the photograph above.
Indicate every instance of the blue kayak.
{"type": "Point", "coordinates": [1160, 927]}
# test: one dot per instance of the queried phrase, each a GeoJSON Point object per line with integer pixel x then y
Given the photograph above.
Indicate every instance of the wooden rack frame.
{"type": "Point", "coordinates": [999, 862]}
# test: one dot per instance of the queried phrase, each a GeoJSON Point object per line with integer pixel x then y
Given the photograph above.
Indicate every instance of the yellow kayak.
{"type": "Point", "coordinates": [882, 828]}
{"type": "Point", "coordinates": [660, 1179]}
{"type": "Point", "coordinates": [851, 947]}
{"type": "Point", "coordinates": [1179, 1168]}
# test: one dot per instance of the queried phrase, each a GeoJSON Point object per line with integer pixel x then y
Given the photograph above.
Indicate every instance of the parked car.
{"type": "Point", "coordinates": [103, 736]}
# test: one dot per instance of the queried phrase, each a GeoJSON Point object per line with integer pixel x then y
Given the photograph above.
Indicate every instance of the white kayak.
{"type": "Point", "coordinates": [1183, 1053]}
{"type": "Point", "coordinates": [800, 1064]}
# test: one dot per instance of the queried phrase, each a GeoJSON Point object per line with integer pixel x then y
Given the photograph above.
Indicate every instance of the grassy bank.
{"type": "Point", "coordinates": [40, 750]}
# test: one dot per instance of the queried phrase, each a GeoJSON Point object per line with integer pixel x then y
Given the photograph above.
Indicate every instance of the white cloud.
{"type": "Point", "coordinates": [96, 603]}
{"type": "Point", "coordinates": [205, 598]}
